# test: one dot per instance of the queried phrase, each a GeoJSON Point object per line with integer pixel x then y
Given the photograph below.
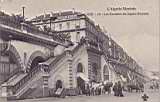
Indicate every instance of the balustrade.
{"type": "Point", "coordinates": [24, 80]}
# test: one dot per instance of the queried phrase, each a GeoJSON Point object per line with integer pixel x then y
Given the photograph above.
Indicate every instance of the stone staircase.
{"type": "Point", "coordinates": [18, 84]}
{"type": "Point", "coordinates": [22, 85]}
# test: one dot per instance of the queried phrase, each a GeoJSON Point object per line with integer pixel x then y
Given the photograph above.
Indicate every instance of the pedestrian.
{"type": "Point", "coordinates": [120, 89]}
{"type": "Point", "coordinates": [92, 91]}
{"type": "Point", "coordinates": [103, 90]}
{"type": "Point", "coordinates": [109, 90]}
{"type": "Point", "coordinates": [99, 91]}
{"type": "Point", "coordinates": [96, 91]}
{"type": "Point", "coordinates": [115, 89]}
{"type": "Point", "coordinates": [87, 90]}
{"type": "Point", "coordinates": [79, 91]}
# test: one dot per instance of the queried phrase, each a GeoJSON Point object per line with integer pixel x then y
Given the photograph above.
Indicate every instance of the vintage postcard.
{"type": "Point", "coordinates": [79, 50]}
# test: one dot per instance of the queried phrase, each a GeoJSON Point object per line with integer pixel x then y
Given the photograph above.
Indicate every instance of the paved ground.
{"type": "Point", "coordinates": [129, 97]}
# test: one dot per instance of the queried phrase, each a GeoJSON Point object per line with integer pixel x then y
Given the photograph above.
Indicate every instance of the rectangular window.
{"type": "Point", "coordinates": [78, 36]}
{"type": "Point", "coordinates": [60, 26]}
{"type": "Point", "coordinates": [77, 25]}
{"type": "Point", "coordinates": [53, 27]}
{"type": "Point", "coordinates": [68, 25]}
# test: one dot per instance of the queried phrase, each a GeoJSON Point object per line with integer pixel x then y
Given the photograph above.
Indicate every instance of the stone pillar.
{"type": "Point", "coordinates": [89, 69]}
{"type": "Point", "coordinates": [71, 90]}
{"type": "Point", "coordinates": [68, 54]}
{"type": "Point", "coordinates": [45, 76]}
{"type": "Point", "coordinates": [45, 85]}
{"type": "Point", "coordinates": [4, 93]}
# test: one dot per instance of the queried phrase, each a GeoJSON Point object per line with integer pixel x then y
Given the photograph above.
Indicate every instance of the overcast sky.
{"type": "Point", "coordinates": [138, 35]}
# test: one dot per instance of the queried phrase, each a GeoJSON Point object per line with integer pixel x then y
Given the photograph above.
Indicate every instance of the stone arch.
{"type": "Point", "coordinates": [79, 79]}
{"type": "Point", "coordinates": [35, 58]}
{"type": "Point", "coordinates": [59, 79]}
{"type": "Point", "coordinates": [59, 84]}
{"type": "Point", "coordinates": [105, 73]}
{"type": "Point", "coordinates": [14, 55]}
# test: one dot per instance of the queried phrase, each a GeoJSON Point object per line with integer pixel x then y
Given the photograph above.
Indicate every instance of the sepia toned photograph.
{"type": "Point", "coordinates": [79, 51]}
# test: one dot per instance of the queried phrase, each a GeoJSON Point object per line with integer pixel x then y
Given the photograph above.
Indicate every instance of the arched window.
{"type": "Point", "coordinates": [80, 68]}
{"type": "Point", "coordinates": [106, 73]}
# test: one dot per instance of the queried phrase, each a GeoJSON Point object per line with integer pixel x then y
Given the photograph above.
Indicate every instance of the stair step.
{"type": "Point", "coordinates": [28, 93]}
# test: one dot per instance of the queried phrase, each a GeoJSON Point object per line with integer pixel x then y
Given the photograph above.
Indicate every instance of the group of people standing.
{"type": "Point", "coordinates": [92, 91]}
{"type": "Point", "coordinates": [118, 89]}
{"type": "Point", "coordinates": [99, 89]}
{"type": "Point", "coordinates": [102, 89]}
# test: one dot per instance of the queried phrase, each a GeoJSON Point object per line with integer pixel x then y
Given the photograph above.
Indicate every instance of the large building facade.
{"type": "Point", "coordinates": [44, 65]}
